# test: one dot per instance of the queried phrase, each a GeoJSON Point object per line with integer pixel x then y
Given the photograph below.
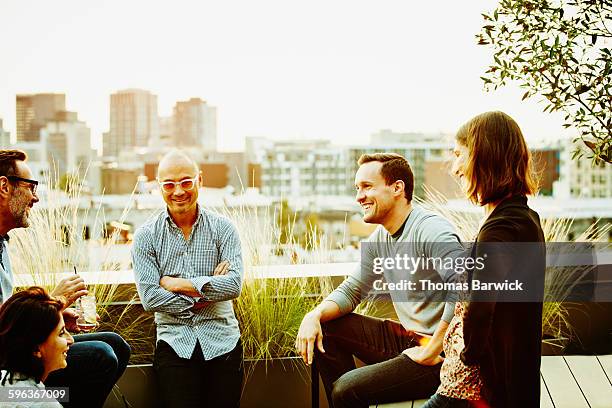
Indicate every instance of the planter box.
{"type": "Point", "coordinates": [138, 387]}
{"type": "Point", "coordinates": [281, 383]}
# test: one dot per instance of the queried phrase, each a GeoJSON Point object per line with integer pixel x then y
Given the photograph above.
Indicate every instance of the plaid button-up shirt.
{"type": "Point", "coordinates": [160, 249]}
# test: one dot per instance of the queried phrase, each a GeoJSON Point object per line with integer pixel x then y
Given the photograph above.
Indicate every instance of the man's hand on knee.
{"type": "Point", "coordinates": [310, 332]}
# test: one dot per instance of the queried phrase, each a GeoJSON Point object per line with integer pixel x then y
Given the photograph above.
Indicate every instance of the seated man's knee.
{"type": "Point", "coordinates": [122, 348]}
{"type": "Point", "coordinates": [334, 327]}
{"type": "Point", "coordinates": [119, 345]}
{"type": "Point", "coordinates": [104, 360]}
{"type": "Point", "coordinates": [344, 391]}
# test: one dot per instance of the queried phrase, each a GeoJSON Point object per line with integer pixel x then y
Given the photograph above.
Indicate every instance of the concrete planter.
{"type": "Point", "coordinates": [279, 383]}
{"type": "Point", "coordinates": [283, 382]}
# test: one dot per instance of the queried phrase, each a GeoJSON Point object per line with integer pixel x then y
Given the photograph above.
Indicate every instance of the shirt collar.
{"type": "Point", "coordinates": [197, 221]}
{"type": "Point", "coordinates": [512, 201]}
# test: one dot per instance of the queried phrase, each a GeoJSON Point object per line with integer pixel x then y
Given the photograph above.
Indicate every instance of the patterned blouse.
{"type": "Point", "coordinates": [457, 379]}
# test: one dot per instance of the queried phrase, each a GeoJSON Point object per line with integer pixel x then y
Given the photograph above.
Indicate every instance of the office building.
{"type": "Point", "coordinates": [134, 121]}
{"type": "Point", "coordinates": [195, 124]}
{"type": "Point", "coordinates": [67, 142]}
{"type": "Point", "coordinates": [33, 112]}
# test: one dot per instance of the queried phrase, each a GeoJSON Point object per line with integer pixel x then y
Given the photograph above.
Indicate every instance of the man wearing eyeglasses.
{"type": "Point", "coordinates": [188, 268]}
{"type": "Point", "coordinates": [95, 361]}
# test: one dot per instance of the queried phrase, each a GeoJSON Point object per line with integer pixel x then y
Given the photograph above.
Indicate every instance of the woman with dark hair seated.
{"type": "Point", "coordinates": [33, 343]}
{"type": "Point", "coordinates": [492, 345]}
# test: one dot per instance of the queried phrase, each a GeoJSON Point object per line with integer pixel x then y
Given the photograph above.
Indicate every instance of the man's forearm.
{"type": "Point", "coordinates": [184, 287]}
{"type": "Point", "coordinates": [327, 310]}
{"type": "Point", "coordinates": [158, 299]}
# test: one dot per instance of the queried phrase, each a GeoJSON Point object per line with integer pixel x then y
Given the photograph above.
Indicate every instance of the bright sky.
{"type": "Point", "coordinates": [331, 69]}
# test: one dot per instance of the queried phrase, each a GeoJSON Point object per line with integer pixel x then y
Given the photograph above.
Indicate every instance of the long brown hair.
{"type": "Point", "coordinates": [499, 163]}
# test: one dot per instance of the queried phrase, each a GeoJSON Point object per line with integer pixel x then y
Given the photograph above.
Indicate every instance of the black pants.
{"type": "Point", "coordinates": [391, 376]}
{"type": "Point", "coordinates": [196, 382]}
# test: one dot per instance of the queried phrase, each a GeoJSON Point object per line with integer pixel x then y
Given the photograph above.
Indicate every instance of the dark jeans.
{"type": "Point", "coordinates": [441, 401]}
{"type": "Point", "coordinates": [391, 376]}
{"type": "Point", "coordinates": [95, 362]}
{"type": "Point", "coordinates": [195, 382]}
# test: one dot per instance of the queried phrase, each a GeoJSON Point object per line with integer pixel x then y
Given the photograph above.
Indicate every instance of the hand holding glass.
{"type": "Point", "coordinates": [87, 320]}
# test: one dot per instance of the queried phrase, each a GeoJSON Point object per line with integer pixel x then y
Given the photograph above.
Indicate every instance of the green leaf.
{"type": "Point", "coordinates": [556, 59]}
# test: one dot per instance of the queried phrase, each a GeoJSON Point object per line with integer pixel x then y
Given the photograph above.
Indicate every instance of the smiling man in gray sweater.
{"type": "Point", "coordinates": [403, 357]}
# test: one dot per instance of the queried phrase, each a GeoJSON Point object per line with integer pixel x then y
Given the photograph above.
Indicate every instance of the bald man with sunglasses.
{"type": "Point", "coordinates": [188, 268]}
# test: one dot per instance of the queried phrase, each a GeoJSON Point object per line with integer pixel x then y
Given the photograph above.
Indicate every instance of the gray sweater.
{"type": "Point", "coordinates": [426, 234]}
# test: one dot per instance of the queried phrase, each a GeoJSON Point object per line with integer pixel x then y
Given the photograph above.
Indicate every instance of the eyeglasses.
{"type": "Point", "coordinates": [187, 184]}
{"type": "Point", "coordinates": [33, 183]}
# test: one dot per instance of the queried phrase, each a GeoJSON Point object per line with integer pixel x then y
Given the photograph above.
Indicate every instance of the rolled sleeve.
{"type": "Point", "coordinates": [224, 287]}
{"type": "Point", "coordinates": [199, 282]}
{"type": "Point", "coordinates": [341, 300]}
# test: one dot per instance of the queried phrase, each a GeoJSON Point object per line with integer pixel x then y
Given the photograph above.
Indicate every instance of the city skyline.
{"type": "Point", "coordinates": [338, 71]}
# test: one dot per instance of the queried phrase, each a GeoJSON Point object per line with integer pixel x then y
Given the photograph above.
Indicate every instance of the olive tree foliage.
{"type": "Point", "coordinates": [558, 50]}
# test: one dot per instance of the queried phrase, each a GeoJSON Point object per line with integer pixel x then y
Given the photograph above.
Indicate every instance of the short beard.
{"type": "Point", "coordinates": [379, 216]}
{"type": "Point", "coordinates": [18, 209]}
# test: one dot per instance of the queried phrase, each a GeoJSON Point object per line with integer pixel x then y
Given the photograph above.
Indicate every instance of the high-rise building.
{"type": "Point", "coordinates": [5, 136]}
{"type": "Point", "coordinates": [300, 168]}
{"type": "Point", "coordinates": [195, 124]}
{"type": "Point", "coordinates": [133, 121]}
{"type": "Point", "coordinates": [67, 143]}
{"type": "Point", "coordinates": [33, 112]}
{"type": "Point", "coordinates": [315, 167]}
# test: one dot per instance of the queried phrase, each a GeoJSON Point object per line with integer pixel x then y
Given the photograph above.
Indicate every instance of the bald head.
{"type": "Point", "coordinates": [176, 163]}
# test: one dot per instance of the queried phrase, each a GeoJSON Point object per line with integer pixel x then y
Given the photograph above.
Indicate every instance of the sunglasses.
{"type": "Point", "coordinates": [33, 183]}
{"type": "Point", "coordinates": [170, 186]}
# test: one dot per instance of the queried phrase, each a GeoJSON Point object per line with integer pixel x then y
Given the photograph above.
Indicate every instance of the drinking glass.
{"type": "Point", "coordinates": [87, 320]}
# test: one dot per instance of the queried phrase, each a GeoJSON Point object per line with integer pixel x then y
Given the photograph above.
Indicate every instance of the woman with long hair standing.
{"type": "Point", "coordinates": [492, 347]}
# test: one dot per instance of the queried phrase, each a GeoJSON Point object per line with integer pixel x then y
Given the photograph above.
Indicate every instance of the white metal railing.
{"type": "Point", "coordinates": [258, 272]}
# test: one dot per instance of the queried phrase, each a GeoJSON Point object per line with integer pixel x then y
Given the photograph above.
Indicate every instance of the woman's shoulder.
{"type": "Point", "coordinates": [15, 380]}
{"type": "Point", "coordinates": [517, 223]}
{"type": "Point", "coordinates": [21, 381]}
